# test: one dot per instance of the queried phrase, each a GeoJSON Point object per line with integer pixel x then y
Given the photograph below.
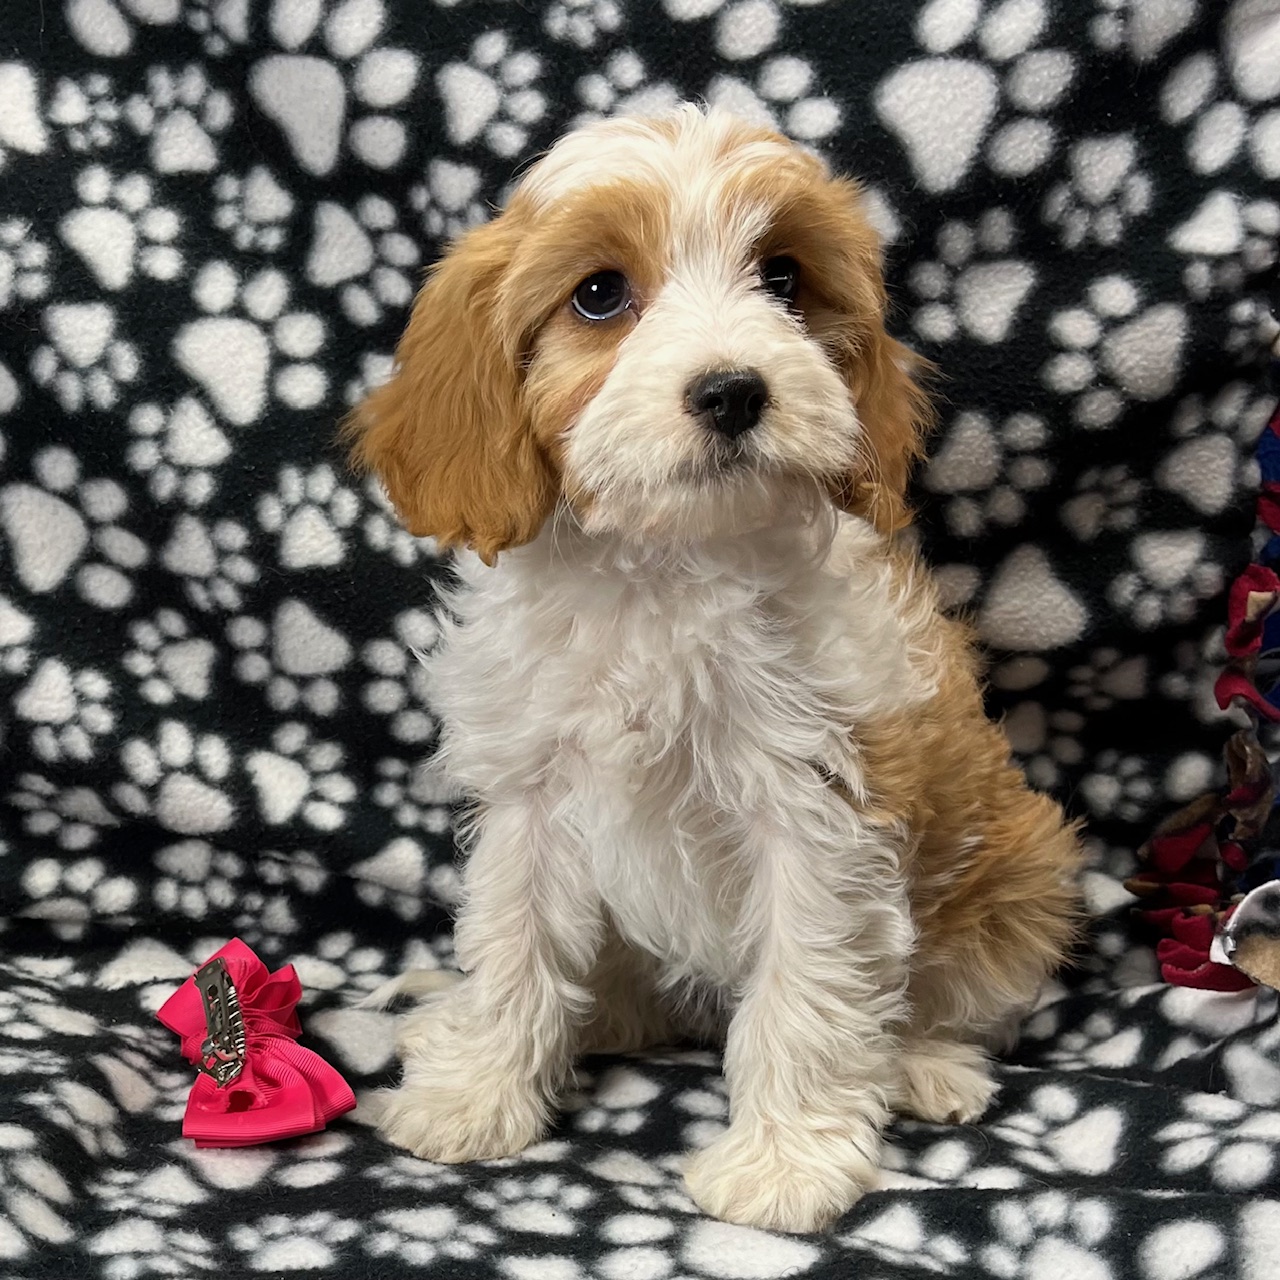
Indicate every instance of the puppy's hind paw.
{"type": "Point", "coordinates": [943, 1082]}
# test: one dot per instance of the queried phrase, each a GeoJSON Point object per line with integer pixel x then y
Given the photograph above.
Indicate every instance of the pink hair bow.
{"type": "Point", "coordinates": [240, 1028]}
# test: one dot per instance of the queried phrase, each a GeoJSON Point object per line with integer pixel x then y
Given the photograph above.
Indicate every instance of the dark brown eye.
{"type": "Point", "coordinates": [602, 296]}
{"type": "Point", "coordinates": [781, 277]}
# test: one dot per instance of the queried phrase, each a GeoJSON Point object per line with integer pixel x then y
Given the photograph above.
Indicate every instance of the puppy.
{"type": "Point", "coordinates": [731, 771]}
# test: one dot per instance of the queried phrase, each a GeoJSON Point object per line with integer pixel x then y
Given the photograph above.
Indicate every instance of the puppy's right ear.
{"type": "Point", "coordinates": [448, 435]}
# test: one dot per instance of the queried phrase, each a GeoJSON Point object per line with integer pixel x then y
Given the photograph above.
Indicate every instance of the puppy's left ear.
{"type": "Point", "coordinates": [895, 414]}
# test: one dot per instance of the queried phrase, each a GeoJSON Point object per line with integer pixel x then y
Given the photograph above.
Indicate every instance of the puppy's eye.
{"type": "Point", "coordinates": [781, 277]}
{"type": "Point", "coordinates": [602, 296]}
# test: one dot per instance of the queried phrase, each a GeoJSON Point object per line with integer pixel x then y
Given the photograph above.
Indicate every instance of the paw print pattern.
{"type": "Point", "coordinates": [181, 114]}
{"type": "Point", "coordinates": [178, 451]}
{"type": "Point", "coordinates": [1254, 328]}
{"type": "Point", "coordinates": [177, 780]}
{"type": "Point", "coordinates": [1169, 578]}
{"type": "Point", "coordinates": [899, 1237]}
{"type": "Point", "coordinates": [1228, 116]}
{"type": "Point", "coordinates": [38, 1195]}
{"type": "Point", "coordinates": [1233, 1144]}
{"type": "Point", "coordinates": [299, 778]}
{"type": "Point", "coordinates": [582, 22]}
{"type": "Point", "coordinates": [384, 532]}
{"type": "Point", "coordinates": [399, 685]}
{"type": "Point", "coordinates": [211, 561]}
{"type": "Point", "coordinates": [313, 1240]}
{"type": "Point", "coordinates": [67, 709]}
{"type": "Point", "coordinates": [220, 26]}
{"type": "Point", "coordinates": [1104, 192]}
{"type": "Point", "coordinates": [71, 816]}
{"type": "Point", "coordinates": [1118, 787]}
{"type": "Point", "coordinates": [1051, 1234]}
{"type": "Point", "coordinates": [433, 1234]}
{"type": "Point", "coordinates": [83, 359]}
{"type": "Point", "coordinates": [1107, 678]}
{"type": "Point", "coordinates": [309, 513]}
{"type": "Point", "coordinates": [1004, 90]}
{"type": "Point", "coordinates": [989, 470]}
{"type": "Point", "coordinates": [1044, 742]}
{"type": "Point", "coordinates": [293, 659]}
{"type": "Point", "coordinates": [70, 894]}
{"type": "Point", "coordinates": [1106, 500]}
{"type": "Point", "coordinates": [85, 111]}
{"type": "Point", "coordinates": [118, 232]}
{"type": "Point", "coordinates": [16, 629]}
{"type": "Point", "coordinates": [545, 1203]}
{"type": "Point", "coordinates": [196, 879]}
{"type": "Point", "coordinates": [621, 87]}
{"type": "Point", "coordinates": [167, 660]}
{"type": "Point", "coordinates": [1143, 29]}
{"type": "Point", "coordinates": [253, 210]}
{"type": "Point", "coordinates": [976, 299]}
{"type": "Point", "coordinates": [492, 97]}
{"type": "Point", "coordinates": [370, 262]}
{"type": "Point", "coordinates": [149, 1248]}
{"type": "Point", "coordinates": [69, 523]}
{"type": "Point", "coordinates": [241, 360]}
{"type": "Point", "coordinates": [1197, 665]}
{"type": "Point", "coordinates": [337, 963]}
{"type": "Point", "coordinates": [615, 1102]}
{"type": "Point", "coordinates": [1111, 339]}
{"type": "Point", "coordinates": [416, 795]}
{"type": "Point", "coordinates": [781, 97]}
{"type": "Point", "coordinates": [449, 200]}
{"type": "Point", "coordinates": [24, 262]}
{"type": "Point", "coordinates": [1226, 242]}
{"type": "Point", "coordinates": [376, 367]}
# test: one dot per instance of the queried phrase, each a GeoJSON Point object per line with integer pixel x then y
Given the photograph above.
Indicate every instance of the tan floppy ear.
{"type": "Point", "coordinates": [448, 435]}
{"type": "Point", "coordinates": [896, 414]}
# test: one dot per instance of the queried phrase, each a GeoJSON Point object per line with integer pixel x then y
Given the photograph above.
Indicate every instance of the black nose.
{"type": "Point", "coordinates": [729, 401]}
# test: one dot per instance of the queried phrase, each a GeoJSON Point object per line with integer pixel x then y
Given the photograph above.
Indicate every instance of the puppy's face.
{"type": "Point", "coordinates": [676, 328]}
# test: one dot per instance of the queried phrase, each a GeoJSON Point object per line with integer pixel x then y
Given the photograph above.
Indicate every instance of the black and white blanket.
{"type": "Point", "coordinates": [213, 214]}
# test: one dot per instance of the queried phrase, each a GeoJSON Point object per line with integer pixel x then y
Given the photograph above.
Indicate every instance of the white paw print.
{"type": "Point", "coordinates": [167, 660]}
{"type": "Point", "coordinates": [1197, 667]}
{"type": "Point", "coordinates": [83, 1114]}
{"type": "Point", "coordinates": [399, 686]}
{"type": "Point", "coordinates": [428, 1234]}
{"type": "Point", "coordinates": [621, 87]}
{"type": "Point", "coordinates": [417, 796]}
{"type": "Point", "coordinates": [85, 111]}
{"type": "Point", "coordinates": [72, 893]}
{"type": "Point", "coordinates": [581, 22]}
{"type": "Point", "coordinates": [293, 659]}
{"type": "Point", "coordinates": [24, 261]}
{"type": "Point", "coordinates": [119, 232]}
{"type": "Point", "coordinates": [1227, 241]}
{"type": "Point", "coordinates": [211, 561]}
{"type": "Point", "coordinates": [38, 1190]}
{"type": "Point", "coordinates": [1169, 578]}
{"type": "Point", "coordinates": [1118, 787]}
{"type": "Point", "coordinates": [67, 521]}
{"type": "Point", "coordinates": [176, 780]}
{"type": "Point", "coordinates": [1106, 500]}
{"type": "Point", "coordinates": [989, 469]}
{"type": "Point", "coordinates": [546, 1203]}
{"type": "Point", "coordinates": [71, 816]}
{"type": "Point", "coordinates": [181, 113]}
{"type": "Point", "coordinates": [337, 962]}
{"type": "Point", "coordinates": [1052, 1234]}
{"type": "Point", "coordinates": [330, 69]}
{"type": "Point", "coordinates": [16, 628]}
{"type": "Point", "coordinates": [1107, 678]}
{"type": "Point", "coordinates": [299, 778]}
{"type": "Point", "coordinates": [1236, 1145]}
{"type": "Point", "coordinates": [1045, 742]}
{"type": "Point", "coordinates": [978, 298]}
{"type": "Point", "coordinates": [107, 27]}
{"type": "Point", "coordinates": [781, 97]}
{"type": "Point", "coordinates": [196, 879]}
{"type": "Point", "coordinates": [615, 1102]}
{"type": "Point", "coordinates": [69, 709]}
{"type": "Point", "coordinates": [1253, 328]}
{"type": "Point", "coordinates": [1105, 191]}
{"type": "Point", "coordinates": [309, 513]}
{"type": "Point", "coordinates": [84, 360]}
{"type": "Point", "coordinates": [1228, 115]}
{"type": "Point", "coordinates": [220, 26]}
{"type": "Point", "coordinates": [241, 360]}
{"type": "Point", "coordinates": [449, 200]}
{"type": "Point", "coordinates": [492, 96]}
{"type": "Point", "coordinates": [178, 451]}
{"type": "Point", "coordinates": [150, 1249]}
{"type": "Point", "coordinates": [899, 1237]}
{"type": "Point", "coordinates": [372, 264]}
{"type": "Point", "coordinates": [1144, 29]}
{"type": "Point", "coordinates": [384, 532]}
{"type": "Point", "coordinates": [396, 876]}
{"type": "Point", "coordinates": [1111, 339]}
{"type": "Point", "coordinates": [376, 367]}
{"type": "Point", "coordinates": [280, 1241]}
{"type": "Point", "coordinates": [253, 209]}
{"type": "Point", "coordinates": [1001, 83]}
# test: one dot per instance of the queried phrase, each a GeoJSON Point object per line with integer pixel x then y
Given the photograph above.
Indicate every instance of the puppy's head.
{"type": "Point", "coordinates": [676, 328]}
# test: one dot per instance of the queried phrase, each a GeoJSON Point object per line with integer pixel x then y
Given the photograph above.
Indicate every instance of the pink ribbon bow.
{"type": "Point", "coordinates": [240, 1027]}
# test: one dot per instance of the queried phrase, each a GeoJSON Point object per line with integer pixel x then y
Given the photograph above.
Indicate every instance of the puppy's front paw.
{"type": "Point", "coordinates": [799, 1183]}
{"type": "Point", "coordinates": [943, 1082]}
{"type": "Point", "coordinates": [452, 1125]}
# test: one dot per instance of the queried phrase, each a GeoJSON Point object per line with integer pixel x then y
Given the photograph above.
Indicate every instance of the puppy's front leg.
{"type": "Point", "coordinates": [484, 1060]}
{"type": "Point", "coordinates": [809, 1050]}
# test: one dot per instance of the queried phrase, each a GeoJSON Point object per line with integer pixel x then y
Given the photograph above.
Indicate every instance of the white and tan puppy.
{"type": "Point", "coordinates": [731, 773]}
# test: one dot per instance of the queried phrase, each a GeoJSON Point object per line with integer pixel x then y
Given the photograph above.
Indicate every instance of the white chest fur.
{"type": "Point", "coordinates": [668, 708]}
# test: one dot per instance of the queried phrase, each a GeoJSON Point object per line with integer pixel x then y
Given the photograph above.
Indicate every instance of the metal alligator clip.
{"type": "Point", "coordinates": [222, 1055]}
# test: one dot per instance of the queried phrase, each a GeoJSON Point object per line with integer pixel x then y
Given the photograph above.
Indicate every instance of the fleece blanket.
{"type": "Point", "coordinates": [213, 215]}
